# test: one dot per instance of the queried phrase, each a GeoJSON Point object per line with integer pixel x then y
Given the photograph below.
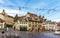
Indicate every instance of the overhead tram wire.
{"type": "Point", "coordinates": [38, 9]}
{"type": "Point", "coordinates": [54, 11]}
{"type": "Point", "coordinates": [11, 6]}
{"type": "Point", "coordinates": [55, 8]}
{"type": "Point", "coordinates": [27, 2]}
{"type": "Point", "coordinates": [20, 8]}
{"type": "Point", "coordinates": [43, 10]}
{"type": "Point", "coordinates": [24, 7]}
{"type": "Point", "coordinates": [48, 10]}
{"type": "Point", "coordinates": [17, 7]}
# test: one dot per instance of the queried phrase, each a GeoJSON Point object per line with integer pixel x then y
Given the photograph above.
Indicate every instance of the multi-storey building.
{"type": "Point", "coordinates": [9, 20]}
{"type": "Point", "coordinates": [2, 24]}
{"type": "Point", "coordinates": [49, 25]}
{"type": "Point", "coordinates": [21, 25]}
{"type": "Point", "coordinates": [32, 22]}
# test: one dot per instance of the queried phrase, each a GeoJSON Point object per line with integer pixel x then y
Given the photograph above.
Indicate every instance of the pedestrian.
{"type": "Point", "coordinates": [7, 29]}
{"type": "Point", "coordinates": [38, 29]}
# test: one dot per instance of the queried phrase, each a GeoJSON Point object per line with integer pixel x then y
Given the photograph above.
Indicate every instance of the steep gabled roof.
{"type": "Point", "coordinates": [10, 16]}
{"type": "Point", "coordinates": [31, 14]}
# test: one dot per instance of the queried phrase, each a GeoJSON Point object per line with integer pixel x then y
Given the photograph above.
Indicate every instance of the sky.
{"type": "Point", "coordinates": [50, 9]}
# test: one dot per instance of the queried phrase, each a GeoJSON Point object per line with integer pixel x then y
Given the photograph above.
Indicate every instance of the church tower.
{"type": "Point", "coordinates": [4, 13]}
{"type": "Point", "coordinates": [16, 18]}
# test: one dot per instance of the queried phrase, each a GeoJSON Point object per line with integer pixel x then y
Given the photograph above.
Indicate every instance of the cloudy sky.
{"type": "Point", "coordinates": [50, 9]}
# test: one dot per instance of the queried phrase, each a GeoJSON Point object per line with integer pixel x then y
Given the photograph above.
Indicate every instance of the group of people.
{"type": "Point", "coordinates": [5, 30]}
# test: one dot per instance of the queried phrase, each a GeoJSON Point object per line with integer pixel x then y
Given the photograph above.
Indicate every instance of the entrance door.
{"type": "Point", "coordinates": [23, 28]}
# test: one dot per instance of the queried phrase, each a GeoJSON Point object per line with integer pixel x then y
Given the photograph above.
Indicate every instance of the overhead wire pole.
{"type": "Point", "coordinates": [48, 10]}
{"type": "Point", "coordinates": [54, 10]}
{"type": "Point", "coordinates": [40, 9]}
{"type": "Point", "coordinates": [19, 10]}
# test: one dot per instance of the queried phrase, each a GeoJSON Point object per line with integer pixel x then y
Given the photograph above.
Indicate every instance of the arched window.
{"type": "Point", "coordinates": [35, 25]}
{"type": "Point", "coordinates": [29, 25]}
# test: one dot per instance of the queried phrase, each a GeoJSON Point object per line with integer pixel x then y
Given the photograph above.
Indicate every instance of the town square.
{"type": "Point", "coordinates": [29, 18]}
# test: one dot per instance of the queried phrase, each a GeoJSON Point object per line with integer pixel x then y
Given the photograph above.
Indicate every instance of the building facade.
{"type": "Point", "coordinates": [49, 25]}
{"type": "Point", "coordinates": [27, 25]}
{"type": "Point", "coordinates": [30, 22]}
{"type": "Point", "coordinates": [2, 24]}
{"type": "Point", "coordinates": [9, 20]}
{"type": "Point", "coordinates": [21, 25]}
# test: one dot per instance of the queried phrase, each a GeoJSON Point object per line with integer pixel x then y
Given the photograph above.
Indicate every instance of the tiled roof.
{"type": "Point", "coordinates": [31, 14]}
{"type": "Point", "coordinates": [10, 16]}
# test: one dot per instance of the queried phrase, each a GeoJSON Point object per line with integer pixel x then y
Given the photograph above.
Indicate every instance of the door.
{"type": "Point", "coordinates": [23, 28]}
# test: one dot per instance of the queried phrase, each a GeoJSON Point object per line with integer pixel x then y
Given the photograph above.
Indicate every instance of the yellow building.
{"type": "Point", "coordinates": [21, 25]}
{"type": "Point", "coordinates": [2, 24]}
{"type": "Point", "coordinates": [8, 19]}
{"type": "Point", "coordinates": [26, 25]}
{"type": "Point", "coordinates": [30, 22]}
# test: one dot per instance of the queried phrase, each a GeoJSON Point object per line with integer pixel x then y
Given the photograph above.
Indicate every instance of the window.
{"type": "Point", "coordinates": [29, 25]}
{"type": "Point", "coordinates": [29, 18]}
{"type": "Point", "coordinates": [35, 25]}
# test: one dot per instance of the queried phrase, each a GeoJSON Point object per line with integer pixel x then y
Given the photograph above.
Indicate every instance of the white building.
{"type": "Point", "coordinates": [2, 24]}
{"type": "Point", "coordinates": [49, 26]}
{"type": "Point", "coordinates": [20, 25]}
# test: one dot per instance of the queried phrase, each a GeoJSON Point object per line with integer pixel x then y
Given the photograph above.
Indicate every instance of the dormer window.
{"type": "Point", "coordinates": [29, 18]}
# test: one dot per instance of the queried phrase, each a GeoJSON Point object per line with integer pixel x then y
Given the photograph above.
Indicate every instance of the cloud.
{"type": "Point", "coordinates": [40, 5]}
{"type": "Point", "coordinates": [9, 3]}
{"type": "Point", "coordinates": [57, 20]}
{"type": "Point", "coordinates": [6, 3]}
{"type": "Point", "coordinates": [1, 1]}
{"type": "Point", "coordinates": [13, 12]}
